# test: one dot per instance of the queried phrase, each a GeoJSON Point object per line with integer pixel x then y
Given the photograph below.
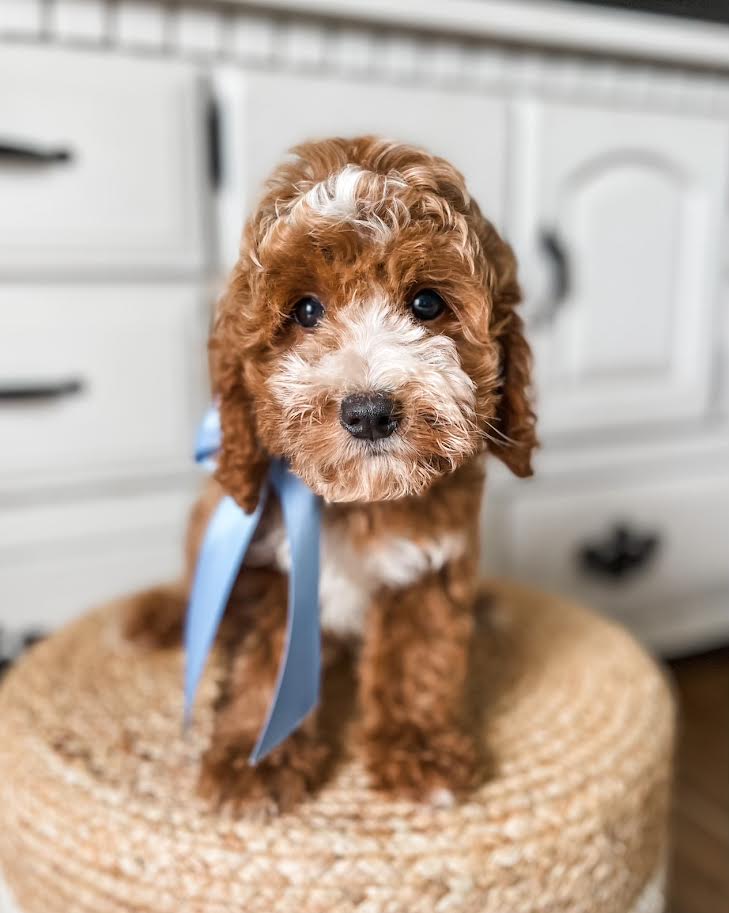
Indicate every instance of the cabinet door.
{"type": "Point", "coordinates": [102, 165]}
{"type": "Point", "coordinates": [266, 114]}
{"type": "Point", "coordinates": [628, 206]}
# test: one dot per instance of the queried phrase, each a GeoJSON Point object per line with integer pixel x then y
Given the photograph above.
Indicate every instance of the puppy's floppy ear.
{"type": "Point", "coordinates": [515, 417]}
{"type": "Point", "coordinates": [515, 439]}
{"type": "Point", "coordinates": [242, 462]}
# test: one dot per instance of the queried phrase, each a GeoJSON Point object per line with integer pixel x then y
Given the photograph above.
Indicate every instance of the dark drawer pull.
{"type": "Point", "coordinates": [30, 154]}
{"type": "Point", "coordinates": [40, 390]}
{"type": "Point", "coordinates": [620, 554]}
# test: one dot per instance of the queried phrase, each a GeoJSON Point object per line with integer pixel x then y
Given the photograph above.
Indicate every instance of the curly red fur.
{"type": "Point", "coordinates": [516, 438]}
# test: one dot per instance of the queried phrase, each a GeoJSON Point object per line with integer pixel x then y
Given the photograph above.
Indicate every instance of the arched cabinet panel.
{"type": "Point", "coordinates": [625, 302]}
{"type": "Point", "coordinates": [632, 203]}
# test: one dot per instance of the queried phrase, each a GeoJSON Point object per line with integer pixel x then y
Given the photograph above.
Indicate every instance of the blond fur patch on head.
{"type": "Point", "coordinates": [367, 201]}
{"type": "Point", "coordinates": [370, 346]}
{"type": "Point", "coordinates": [335, 197]}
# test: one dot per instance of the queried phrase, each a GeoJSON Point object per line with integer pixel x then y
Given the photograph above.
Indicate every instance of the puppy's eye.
{"type": "Point", "coordinates": [427, 304]}
{"type": "Point", "coordinates": [308, 312]}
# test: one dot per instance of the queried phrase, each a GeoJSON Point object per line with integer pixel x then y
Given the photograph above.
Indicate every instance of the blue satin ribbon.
{"type": "Point", "coordinates": [226, 542]}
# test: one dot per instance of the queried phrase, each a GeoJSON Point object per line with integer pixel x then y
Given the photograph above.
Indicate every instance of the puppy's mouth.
{"type": "Point", "coordinates": [372, 450]}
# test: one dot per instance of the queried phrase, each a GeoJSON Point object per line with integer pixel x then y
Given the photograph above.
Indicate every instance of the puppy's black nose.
{"type": "Point", "coordinates": [369, 416]}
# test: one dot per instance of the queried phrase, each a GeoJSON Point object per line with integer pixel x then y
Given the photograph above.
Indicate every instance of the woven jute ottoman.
{"type": "Point", "coordinates": [98, 809]}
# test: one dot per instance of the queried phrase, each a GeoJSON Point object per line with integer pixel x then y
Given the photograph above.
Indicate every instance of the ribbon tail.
{"type": "Point", "coordinates": [208, 439]}
{"type": "Point", "coordinates": [227, 537]}
{"type": "Point", "coordinates": [297, 688]}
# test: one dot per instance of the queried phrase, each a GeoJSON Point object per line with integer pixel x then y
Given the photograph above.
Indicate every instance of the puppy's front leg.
{"type": "Point", "coordinates": [252, 636]}
{"type": "Point", "coordinates": [413, 673]}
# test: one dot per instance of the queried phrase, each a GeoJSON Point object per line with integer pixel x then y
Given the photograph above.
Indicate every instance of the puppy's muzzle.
{"type": "Point", "coordinates": [369, 416]}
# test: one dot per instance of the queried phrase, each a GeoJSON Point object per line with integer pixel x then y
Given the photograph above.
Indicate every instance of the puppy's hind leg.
{"type": "Point", "coordinates": [155, 618]}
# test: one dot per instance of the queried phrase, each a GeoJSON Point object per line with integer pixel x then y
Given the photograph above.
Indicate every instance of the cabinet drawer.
{"type": "Point", "coordinates": [98, 380]}
{"type": "Point", "coordinates": [58, 560]}
{"type": "Point", "coordinates": [102, 164]}
{"type": "Point", "coordinates": [543, 539]}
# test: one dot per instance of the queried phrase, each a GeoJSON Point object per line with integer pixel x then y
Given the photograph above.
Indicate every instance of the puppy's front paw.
{"type": "Point", "coordinates": [227, 781]}
{"type": "Point", "coordinates": [436, 767]}
{"type": "Point", "coordinates": [276, 784]}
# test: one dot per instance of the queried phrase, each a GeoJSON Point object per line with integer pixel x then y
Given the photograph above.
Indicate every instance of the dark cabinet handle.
{"type": "Point", "coordinates": [619, 555]}
{"type": "Point", "coordinates": [40, 390]}
{"type": "Point", "coordinates": [556, 252]}
{"type": "Point", "coordinates": [32, 154]}
{"type": "Point", "coordinates": [215, 143]}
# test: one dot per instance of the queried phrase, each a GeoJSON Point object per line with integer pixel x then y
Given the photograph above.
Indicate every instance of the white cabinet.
{"type": "Point", "coordinates": [621, 166]}
{"type": "Point", "coordinates": [633, 206]}
{"type": "Point", "coordinates": [102, 166]}
{"type": "Point", "coordinates": [265, 114]}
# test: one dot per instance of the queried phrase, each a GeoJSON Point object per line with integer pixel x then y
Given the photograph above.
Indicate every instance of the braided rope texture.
{"type": "Point", "coordinates": [98, 810]}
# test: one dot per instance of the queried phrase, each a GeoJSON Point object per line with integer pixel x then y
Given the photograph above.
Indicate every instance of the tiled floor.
{"type": "Point", "coordinates": [700, 879]}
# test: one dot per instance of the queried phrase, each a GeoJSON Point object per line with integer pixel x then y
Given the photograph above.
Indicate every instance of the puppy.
{"type": "Point", "coordinates": [369, 336]}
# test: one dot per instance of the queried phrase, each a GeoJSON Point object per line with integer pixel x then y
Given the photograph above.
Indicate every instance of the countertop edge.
{"type": "Point", "coordinates": [541, 23]}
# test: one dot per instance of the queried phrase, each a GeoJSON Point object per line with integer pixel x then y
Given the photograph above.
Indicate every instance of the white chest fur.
{"type": "Point", "coordinates": [350, 576]}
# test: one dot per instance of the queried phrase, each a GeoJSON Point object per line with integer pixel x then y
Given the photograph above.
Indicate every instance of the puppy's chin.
{"type": "Point", "coordinates": [373, 476]}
